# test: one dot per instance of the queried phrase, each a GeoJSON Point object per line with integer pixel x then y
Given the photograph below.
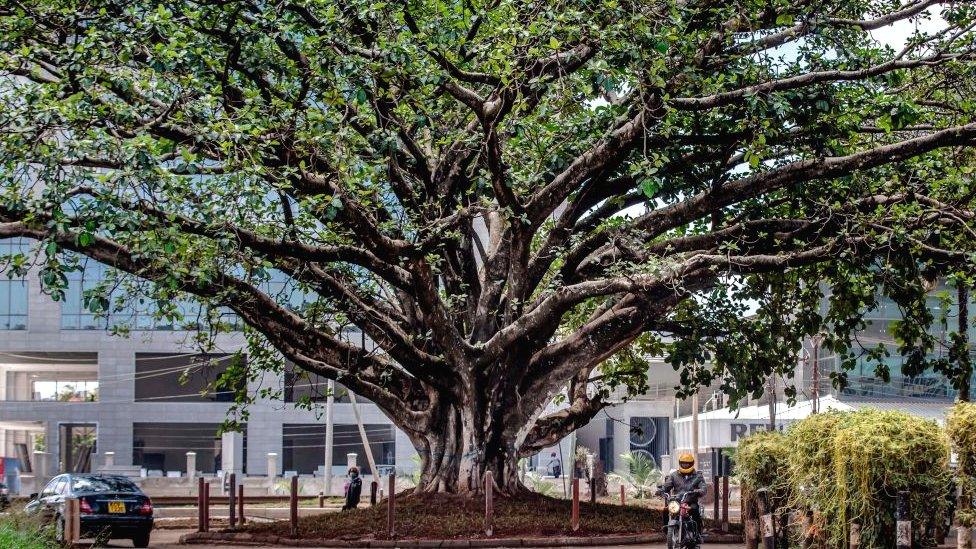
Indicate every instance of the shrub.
{"type": "Point", "coordinates": [761, 460]}
{"type": "Point", "coordinates": [642, 474]}
{"type": "Point", "coordinates": [849, 466]}
{"type": "Point", "coordinates": [25, 532]}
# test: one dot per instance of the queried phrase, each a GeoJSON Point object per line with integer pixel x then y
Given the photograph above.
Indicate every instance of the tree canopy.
{"type": "Point", "coordinates": [514, 201]}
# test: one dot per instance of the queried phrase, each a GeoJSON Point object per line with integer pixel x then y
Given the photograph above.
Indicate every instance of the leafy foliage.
{"type": "Point", "coordinates": [641, 474]}
{"type": "Point", "coordinates": [849, 466]}
{"type": "Point", "coordinates": [514, 202]}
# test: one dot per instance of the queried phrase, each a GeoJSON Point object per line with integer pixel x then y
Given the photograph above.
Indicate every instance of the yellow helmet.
{"type": "Point", "coordinates": [686, 463]}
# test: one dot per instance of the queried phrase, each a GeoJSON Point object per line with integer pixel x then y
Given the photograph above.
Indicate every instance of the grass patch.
{"type": "Point", "coordinates": [20, 531]}
{"type": "Point", "coordinates": [444, 516]}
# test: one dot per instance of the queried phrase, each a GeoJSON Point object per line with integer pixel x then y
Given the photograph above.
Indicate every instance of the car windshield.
{"type": "Point", "coordinates": [87, 485]}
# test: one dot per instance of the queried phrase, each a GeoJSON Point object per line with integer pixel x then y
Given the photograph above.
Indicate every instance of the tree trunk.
{"type": "Point", "coordinates": [456, 449]}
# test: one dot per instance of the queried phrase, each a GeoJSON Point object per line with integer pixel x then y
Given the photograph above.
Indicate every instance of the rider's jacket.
{"type": "Point", "coordinates": [693, 483]}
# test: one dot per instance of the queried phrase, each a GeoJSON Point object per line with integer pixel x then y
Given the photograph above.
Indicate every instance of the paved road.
{"type": "Point", "coordinates": [169, 539]}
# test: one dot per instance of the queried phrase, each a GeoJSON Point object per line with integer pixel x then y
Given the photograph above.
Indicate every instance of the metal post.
{"type": "Point", "coordinates": [391, 507]}
{"type": "Point", "coordinates": [904, 525]}
{"type": "Point", "coordinates": [574, 523]}
{"type": "Point", "coordinates": [231, 500]}
{"type": "Point", "coordinates": [725, 503]}
{"type": "Point", "coordinates": [623, 495]}
{"type": "Point", "coordinates": [293, 506]}
{"type": "Point", "coordinates": [816, 373]}
{"type": "Point", "coordinates": [489, 503]}
{"type": "Point", "coordinates": [716, 493]}
{"type": "Point", "coordinates": [767, 526]}
{"type": "Point", "coordinates": [694, 424]}
{"type": "Point", "coordinates": [329, 436]}
{"type": "Point", "coordinates": [206, 506]}
{"type": "Point", "coordinates": [200, 503]}
{"type": "Point", "coordinates": [373, 488]}
{"type": "Point", "coordinates": [321, 500]}
{"type": "Point", "coordinates": [240, 502]}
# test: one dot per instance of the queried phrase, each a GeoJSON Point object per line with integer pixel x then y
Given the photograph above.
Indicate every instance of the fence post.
{"type": "Point", "coordinates": [725, 503]}
{"type": "Point", "coordinates": [321, 500]}
{"type": "Point", "coordinates": [240, 503]}
{"type": "Point", "coordinates": [293, 506]}
{"type": "Point", "coordinates": [592, 490]}
{"type": "Point", "coordinates": [904, 524]}
{"type": "Point", "coordinates": [716, 492]}
{"type": "Point", "coordinates": [231, 500]}
{"type": "Point", "coordinates": [574, 523]}
{"type": "Point", "coordinates": [201, 517]}
{"type": "Point", "coordinates": [767, 526]}
{"type": "Point", "coordinates": [489, 503]}
{"type": "Point", "coordinates": [72, 521]}
{"type": "Point", "coordinates": [623, 495]}
{"type": "Point", "coordinates": [373, 488]}
{"type": "Point", "coordinates": [391, 507]}
{"type": "Point", "coordinates": [206, 506]}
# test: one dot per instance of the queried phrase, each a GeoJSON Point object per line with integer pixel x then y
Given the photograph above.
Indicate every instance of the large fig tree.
{"type": "Point", "coordinates": [504, 196]}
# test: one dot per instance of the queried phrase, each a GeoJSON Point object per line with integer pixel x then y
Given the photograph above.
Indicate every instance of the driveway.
{"type": "Point", "coordinates": [169, 539]}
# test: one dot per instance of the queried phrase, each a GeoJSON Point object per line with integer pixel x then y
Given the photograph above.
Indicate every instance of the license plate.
{"type": "Point", "coordinates": [116, 507]}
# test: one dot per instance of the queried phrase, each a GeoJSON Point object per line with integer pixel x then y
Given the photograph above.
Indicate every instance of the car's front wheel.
{"type": "Point", "coordinates": [141, 539]}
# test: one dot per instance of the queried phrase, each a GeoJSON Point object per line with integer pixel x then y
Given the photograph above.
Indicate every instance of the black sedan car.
{"type": "Point", "coordinates": [112, 507]}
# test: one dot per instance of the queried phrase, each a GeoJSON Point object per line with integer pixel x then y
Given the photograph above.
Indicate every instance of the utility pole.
{"type": "Point", "coordinates": [817, 339]}
{"type": "Point", "coordinates": [694, 423]}
{"type": "Point", "coordinates": [329, 436]}
{"type": "Point", "coordinates": [965, 361]}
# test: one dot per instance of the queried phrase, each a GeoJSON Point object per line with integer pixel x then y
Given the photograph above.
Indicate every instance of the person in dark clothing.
{"type": "Point", "coordinates": [685, 479]}
{"type": "Point", "coordinates": [354, 489]}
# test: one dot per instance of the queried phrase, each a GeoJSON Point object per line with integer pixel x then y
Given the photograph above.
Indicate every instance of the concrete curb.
{"type": "Point", "coordinates": [248, 539]}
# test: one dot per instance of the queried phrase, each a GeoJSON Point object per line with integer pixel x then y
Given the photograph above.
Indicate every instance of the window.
{"type": "Point", "coordinates": [136, 312]}
{"type": "Point", "coordinates": [65, 391]}
{"type": "Point", "coordinates": [304, 446]}
{"type": "Point", "coordinates": [13, 290]}
{"type": "Point", "coordinates": [50, 377]}
{"type": "Point", "coordinates": [89, 485]}
{"type": "Point", "coordinates": [168, 377]}
{"type": "Point", "coordinates": [162, 447]}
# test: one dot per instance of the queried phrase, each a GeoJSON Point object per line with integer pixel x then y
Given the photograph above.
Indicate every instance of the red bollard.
{"type": "Point", "coordinates": [201, 517]}
{"type": "Point", "coordinates": [623, 495]}
{"type": "Point", "coordinates": [293, 506]}
{"type": "Point", "coordinates": [489, 503]}
{"type": "Point", "coordinates": [576, 513]}
{"type": "Point", "coordinates": [231, 495]}
{"type": "Point", "coordinates": [206, 506]}
{"type": "Point", "coordinates": [391, 507]}
{"type": "Point", "coordinates": [240, 502]}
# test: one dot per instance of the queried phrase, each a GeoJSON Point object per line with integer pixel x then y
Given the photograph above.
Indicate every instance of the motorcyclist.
{"type": "Point", "coordinates": [685, 479]}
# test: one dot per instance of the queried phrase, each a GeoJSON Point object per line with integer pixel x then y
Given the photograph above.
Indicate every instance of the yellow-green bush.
{"type": "Point", "coordinates": [876, 455]}
{"type": "Point", "coordinates": [760, 460]}
{"type": "Point", "coordinates": [849, 466]}
{"type": "Point", "coordinates": [961, 428]}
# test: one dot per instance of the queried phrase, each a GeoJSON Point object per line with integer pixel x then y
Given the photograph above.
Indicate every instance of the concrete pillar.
{"type": "Point", "coordinates": [191, 464]}
{"type": "Point", "coordinates": [42, 471]}
{"type": "Point", "coordinates": [232, 453]}
{"type": "Point", "coordinates": [272, 464]}
{"type": "Point", "coordinates": [351, 460]}
{"type": "Point", "coordinates": [109, 459]}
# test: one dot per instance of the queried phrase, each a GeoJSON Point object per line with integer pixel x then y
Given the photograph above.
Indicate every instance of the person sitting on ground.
{"type": "Point", "coordinates": [354, 489]}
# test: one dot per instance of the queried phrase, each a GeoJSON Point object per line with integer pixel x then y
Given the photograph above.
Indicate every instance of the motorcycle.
{"type": "Point", "coordinates": [682, 529]}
